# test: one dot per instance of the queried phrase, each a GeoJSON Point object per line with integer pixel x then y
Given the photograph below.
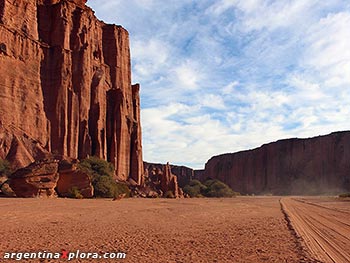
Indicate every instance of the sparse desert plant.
{"type": "Point", "coordinates": [101, 173]}
{"type": "Point", "coordinates": [120, 189]}
{"type": "Point", "coordinates": [75, 193]}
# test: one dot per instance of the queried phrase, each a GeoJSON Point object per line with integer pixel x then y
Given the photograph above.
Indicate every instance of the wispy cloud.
{"type": "Point", "coordinates": [229, 75]}
{"type": "Point", "coordinates": [150, 57]}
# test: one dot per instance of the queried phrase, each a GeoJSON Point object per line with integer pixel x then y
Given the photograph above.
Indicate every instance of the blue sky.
{"type": "Point", "coordinates": [229, 75]}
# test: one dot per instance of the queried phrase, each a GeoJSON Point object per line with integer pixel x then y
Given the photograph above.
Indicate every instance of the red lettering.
{"type": "Point", "coordinates": [64, 253]}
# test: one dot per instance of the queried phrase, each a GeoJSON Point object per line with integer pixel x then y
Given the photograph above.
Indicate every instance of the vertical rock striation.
{"type": "Point", "coordinates": [159, 177]}
{"type": "Point", "coordinates": [293, 166]}
{"type": "Point", "coordinates": [65, 86]}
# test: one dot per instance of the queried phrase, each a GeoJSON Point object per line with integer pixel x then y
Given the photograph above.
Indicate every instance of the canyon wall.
{"type": "Point", "coordinates": [65, 86]}
{"type": "Point", "coordinates": [294, 166]}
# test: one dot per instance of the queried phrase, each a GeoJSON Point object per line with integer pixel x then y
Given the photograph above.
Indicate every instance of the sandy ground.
{"type": "Point", "coordinates": [243, 229]}
{"type": "Point", "coordinates": [324, 225]}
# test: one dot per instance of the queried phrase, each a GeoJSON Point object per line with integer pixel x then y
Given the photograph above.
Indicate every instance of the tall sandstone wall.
{"type": "Point", "coordinates": [65, 86]}
{"type": "Point", "coordinates": [293, 166]}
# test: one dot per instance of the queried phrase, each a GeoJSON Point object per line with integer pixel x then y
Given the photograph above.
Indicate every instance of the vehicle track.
{"type": "Point", "coordinates": [325, 231]}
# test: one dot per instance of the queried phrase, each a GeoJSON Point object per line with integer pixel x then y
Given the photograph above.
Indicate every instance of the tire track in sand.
{"type": "Point", "coordinates": [325, 231]}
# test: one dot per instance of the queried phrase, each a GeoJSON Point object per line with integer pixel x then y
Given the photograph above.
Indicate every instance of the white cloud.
{"type": "Point", "coordinates": [187, 76]}
{"type": "Point", "coordinates": [212, 101]}
{"type": "Point", "coordinates": [248, 6]}
{"type": "Point", "coordinates": [259, 101]}
{"type": "Point", "coordinates": [260, 14]}
{"type": "Point", "coordinates": [149, 57]}
{"type": "Point", "coordinates": [328, 50]}
{"type": "Point", "coordinates": [305, 91]}
{"type": "Point", "coordinates": [229, 88]}
{"type": "Point", "coordinates": [228, 75]}
{"type": "Point", "coordinates": [178, 133]}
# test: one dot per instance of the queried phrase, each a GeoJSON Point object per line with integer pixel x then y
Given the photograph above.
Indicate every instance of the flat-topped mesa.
{"type": "Point", "coordinates": [66, 86]}
{"type": "Point", "coordinates": [319, 165]}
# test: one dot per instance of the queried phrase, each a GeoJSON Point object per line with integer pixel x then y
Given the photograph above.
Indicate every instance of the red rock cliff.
{"type": "Point", "coordinates": [65, 86]}
{"type": "Point", "coordinates": [293, 166]}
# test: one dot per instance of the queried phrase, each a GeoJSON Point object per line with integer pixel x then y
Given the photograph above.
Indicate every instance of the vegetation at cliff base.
{"type": "Point", "coordinates": [210, 188]}
{"type": "Point", "coordinates": [101, 173]}
{"type": "Point", "coordinates": [75, 193]}
{"type": "Point", "coordinates": [344, 195]}
{"type": "Point", "coordinates": [194, 189]}
{"type": "Point", "coordinates": [216, 188]}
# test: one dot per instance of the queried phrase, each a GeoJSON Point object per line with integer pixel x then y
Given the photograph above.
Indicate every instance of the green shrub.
{"type": "Point", "coordinates": [75, 193]}
{"type": "Point", "coordinates": [191, 191]}
{"type": "Point", "coordinates": [101, 173]}
{"type": "Point", "coordinates": [96, 167]}
{"type": "Point", "coordinates": [216, 188]}
{"type": "Point", "coordinates": [121, 188]}
{"type": "Point", "coordinates": [5, 168]}
{"type": "Point", "coordinates": [194, 189]}
{"type": "Point", "coordinates": [104, 186]}
{"type": "Point", "coordinates": [210, 188]}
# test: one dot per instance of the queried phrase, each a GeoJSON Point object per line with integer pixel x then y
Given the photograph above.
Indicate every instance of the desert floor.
{"type": "Point", "coordinates": [242, 229]}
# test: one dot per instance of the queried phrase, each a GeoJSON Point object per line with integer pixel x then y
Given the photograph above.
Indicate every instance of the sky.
{"type": "Point", "coordinates": [223, 76]}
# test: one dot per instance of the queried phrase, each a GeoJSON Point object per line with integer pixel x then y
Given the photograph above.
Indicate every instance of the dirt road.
{"type": "Point", "coordinates": [323, 224]}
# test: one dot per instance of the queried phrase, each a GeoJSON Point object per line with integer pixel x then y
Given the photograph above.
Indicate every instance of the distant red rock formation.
{"type": "Point", "coordinates": [184, 174]}
{"type": "Point", "coordinates": [65, 86]}
{"type": "Point", "coordinates": [293, 166]}
{"type": "Point", "coordinates": [161, 179]}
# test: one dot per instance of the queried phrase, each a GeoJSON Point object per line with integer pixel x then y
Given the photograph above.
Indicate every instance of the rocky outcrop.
{"type": "Point", "coordinates": [184, 174]}
{"type": "Point", "coordinates": [168, 181]}
{"type": "Point", "coordinates": [5, 190]}
{"type": "Point", "coordinates": [74, 180]}
{"type": "Point", "coordinates": [71, 178]}
{"type": "Point", "coordinates": [37, 180]}
{"type": "Point", "coordinates": [160, 179]}
{"type": "Point", "coordinates": [293, 166]}
{"type": "Point", "coordinates": [66, 88]}
{"type": "Point", "coordinates": [49, 178]}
